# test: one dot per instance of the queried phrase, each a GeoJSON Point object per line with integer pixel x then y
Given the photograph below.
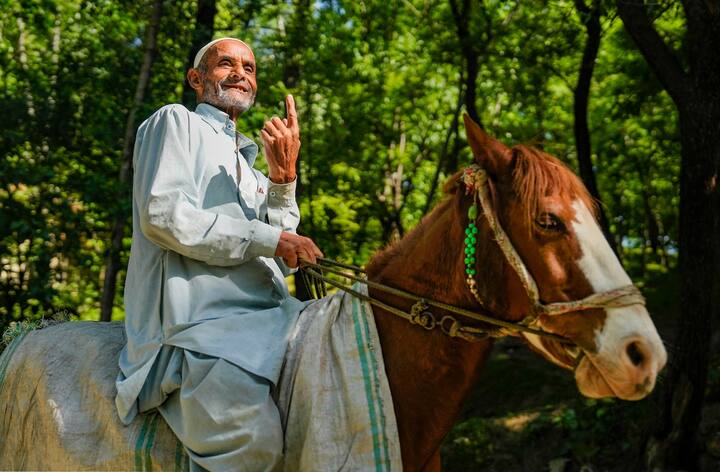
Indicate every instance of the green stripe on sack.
{"type": "Point", "coordinates": [181, 458]}
{"type": "Point", "coordinates": [378, 395]}
{"type": "Point", "coordinates": [139, 444]}
{"type": "Point", "coordinates": [369, 353]}
{"type": "Point", "coordinates": [368, 387]}
{"type": "Point", "coordinates": [7, 355]}
{"type": "Point", "coordinates": [150, 441]}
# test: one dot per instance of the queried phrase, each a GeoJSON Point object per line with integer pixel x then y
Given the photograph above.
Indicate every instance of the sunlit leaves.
{"type": "Point", "coordinates": [376, 84]}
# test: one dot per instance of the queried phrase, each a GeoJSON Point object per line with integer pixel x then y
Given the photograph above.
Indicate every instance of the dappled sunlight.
{"type": "Point", "coordinates": [518, 422]}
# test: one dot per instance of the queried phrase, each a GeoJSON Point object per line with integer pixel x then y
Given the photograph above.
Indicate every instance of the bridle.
{"type": "Point", "coordinates": [475, 180]}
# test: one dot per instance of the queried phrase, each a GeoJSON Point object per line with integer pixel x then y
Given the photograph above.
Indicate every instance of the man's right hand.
{"type": "Point", "coordinates": [281, 143]}
{"type": "Point", "coordinates": [293, 247]}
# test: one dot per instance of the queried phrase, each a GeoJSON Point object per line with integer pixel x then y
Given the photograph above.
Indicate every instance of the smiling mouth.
{"type": "Point", "coordinates": [241, 88]}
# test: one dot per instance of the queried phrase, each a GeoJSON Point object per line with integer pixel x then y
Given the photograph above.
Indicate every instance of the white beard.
{"type": "Point", "coordinates": [225, 99]}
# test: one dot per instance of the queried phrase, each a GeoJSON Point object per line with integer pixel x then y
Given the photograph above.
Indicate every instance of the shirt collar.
{"type": "Point", "coordinates": [247, 148]}
{"type": "Point", "coordinates": [220, 121]}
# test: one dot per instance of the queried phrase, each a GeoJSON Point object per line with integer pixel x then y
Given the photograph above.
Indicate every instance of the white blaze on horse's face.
{"type": "Point", "coordinates": [623, 353]}
{"type": "Point", "coordinates": [629, 351]}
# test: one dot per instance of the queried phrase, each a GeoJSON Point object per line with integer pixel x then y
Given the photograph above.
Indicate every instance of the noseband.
{"type": "Point", "coordinates": [476, 183]}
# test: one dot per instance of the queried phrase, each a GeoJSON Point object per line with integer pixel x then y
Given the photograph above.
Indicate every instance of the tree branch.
{"type": "Point", "coordinates": [658, 54]}
{"type": "Point", "coordinates": [590, 17]}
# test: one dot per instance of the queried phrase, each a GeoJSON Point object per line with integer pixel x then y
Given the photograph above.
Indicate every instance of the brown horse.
{"type": "Point", "coordinates": [549, 218]}
{"type": "Point", "coordinates": [60, 393]}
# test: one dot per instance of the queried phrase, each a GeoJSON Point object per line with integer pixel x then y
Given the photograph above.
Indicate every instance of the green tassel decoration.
{"type": "Point", "coordinates": [472, 212]}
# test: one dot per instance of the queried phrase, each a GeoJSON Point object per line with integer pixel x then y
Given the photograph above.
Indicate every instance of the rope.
{"type": "Point", "coordinates": [419, 313]}
{"type": "Point", "coordinates": [618, 298]}
{"type": "Point", "coordinates": [475, 178]}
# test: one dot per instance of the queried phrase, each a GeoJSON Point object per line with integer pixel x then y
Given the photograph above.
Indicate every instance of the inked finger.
{"type": "Point", "coordinates": [290, 111]}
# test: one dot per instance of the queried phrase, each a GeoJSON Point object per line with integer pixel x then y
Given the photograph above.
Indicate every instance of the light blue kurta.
{"type": "Point", "coordinates": [202, 275]}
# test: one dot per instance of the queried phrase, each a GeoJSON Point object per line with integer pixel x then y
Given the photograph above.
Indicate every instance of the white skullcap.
{"type": "Point", "coordinates": [203, 50]}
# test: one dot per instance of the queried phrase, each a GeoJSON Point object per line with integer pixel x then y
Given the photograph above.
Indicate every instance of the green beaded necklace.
{"type": "Point", "coordinates": [470, 240]}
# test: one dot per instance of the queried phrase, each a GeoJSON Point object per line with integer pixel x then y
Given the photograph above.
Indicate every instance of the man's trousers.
{"type": "Point", "coordinates": [223, 415]}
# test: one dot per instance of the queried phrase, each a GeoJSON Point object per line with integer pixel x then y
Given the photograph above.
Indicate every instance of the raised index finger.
{"type": "Point", "coordinates": [290, 111]}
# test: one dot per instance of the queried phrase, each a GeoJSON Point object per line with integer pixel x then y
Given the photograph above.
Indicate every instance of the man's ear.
{"type": "Point", "coordinates": [193, 78]}
{"type": "Point", "coordinates": [490, 154]}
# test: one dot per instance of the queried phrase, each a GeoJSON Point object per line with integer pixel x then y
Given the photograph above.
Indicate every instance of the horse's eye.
{"type": "Point", "coordinates": [550, 222]}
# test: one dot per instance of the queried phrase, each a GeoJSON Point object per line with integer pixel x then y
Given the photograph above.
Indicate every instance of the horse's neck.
{"type": "Point", "coordinates": [430, 374]}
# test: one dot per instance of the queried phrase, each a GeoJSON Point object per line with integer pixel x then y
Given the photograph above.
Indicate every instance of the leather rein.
{"type": "Point", "coordinates": [475, 180]}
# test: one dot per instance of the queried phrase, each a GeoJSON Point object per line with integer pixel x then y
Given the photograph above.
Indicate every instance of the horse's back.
{"type": "Point", "coordinates": [57, 388]}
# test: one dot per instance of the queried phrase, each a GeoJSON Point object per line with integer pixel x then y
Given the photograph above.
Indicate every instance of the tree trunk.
{"type": "Point", "coordinates": [112, 259]}
{"type": "Point", "coordinates": [591, 18]}
{"type": "Point", "coordinates": [203, 33]}
{"type": "Point", "coordinates": [672, 442]}
{"type": "Point", "coordinates": [470, 56]}
{"type": "Point", "coordinates": [653, 228]}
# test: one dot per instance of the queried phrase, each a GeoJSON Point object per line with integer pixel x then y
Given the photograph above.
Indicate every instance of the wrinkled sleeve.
{"type": "Point", "coordinates": [283, 213]}
{"type": "Point", "coordinates": [168, 199]}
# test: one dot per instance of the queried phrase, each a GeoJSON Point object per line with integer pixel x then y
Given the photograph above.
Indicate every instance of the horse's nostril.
{"type": "Point", "coordinates": [635, 354]}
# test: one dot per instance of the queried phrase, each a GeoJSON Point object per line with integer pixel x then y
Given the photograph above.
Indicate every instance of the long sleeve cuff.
{"type": "Point", "coordinates": [282, 208]}
{"type": "Point", "coordinates": [281, 195]}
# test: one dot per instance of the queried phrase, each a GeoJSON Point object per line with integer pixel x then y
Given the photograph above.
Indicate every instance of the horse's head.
{"type": "Point", "coordinates": [550, 221]}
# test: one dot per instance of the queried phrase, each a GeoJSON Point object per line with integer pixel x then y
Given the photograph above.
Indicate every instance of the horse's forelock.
{"type": "Point", "coordinates": [537, 174]}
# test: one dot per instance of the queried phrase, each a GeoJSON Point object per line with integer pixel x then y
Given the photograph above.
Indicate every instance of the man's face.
{"type": "Point", "coordinates": [228, 80]}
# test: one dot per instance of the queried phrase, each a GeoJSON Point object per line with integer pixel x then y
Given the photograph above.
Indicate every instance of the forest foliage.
{"type": "Point", "coordinates": [379, 86]}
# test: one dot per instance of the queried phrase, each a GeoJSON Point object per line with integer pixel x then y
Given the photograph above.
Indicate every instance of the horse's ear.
{"type": "Point", "coordinates": [491, 154]}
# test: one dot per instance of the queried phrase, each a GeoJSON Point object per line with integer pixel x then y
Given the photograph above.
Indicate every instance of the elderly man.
{"type": "Point", "coordinates": [208, 312]}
